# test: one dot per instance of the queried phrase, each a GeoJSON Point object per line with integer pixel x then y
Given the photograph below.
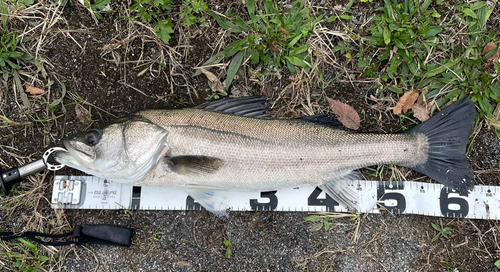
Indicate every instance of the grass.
{"type": "Point", "coordinates": [228, 245]}
{"type": "Point", "coordinates": [409, 40]}
{"type": "Point", "coordinates": [272, 36]}
{"type": "Point", "coordinates": [442, 231]}
{"type": "Point", "coordinates": [419, 52]}
{"type": "Point", "coordinates": [323, 220]}
{"type": "Point", "coordinates": [449, 267]}
{"type": "Point", "coordinates": [24, 256]}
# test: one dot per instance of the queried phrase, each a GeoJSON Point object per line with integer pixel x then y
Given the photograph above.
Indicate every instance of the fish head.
{"type": "Point", "coordinates": [123, 151]}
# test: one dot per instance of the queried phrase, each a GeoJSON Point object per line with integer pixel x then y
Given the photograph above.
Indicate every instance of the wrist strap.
{"type": "Point", "coordinates": [91, 234]}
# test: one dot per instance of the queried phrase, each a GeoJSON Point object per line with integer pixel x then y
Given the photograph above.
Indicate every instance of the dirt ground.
{"type": "Point", "coordinates": [111, 69]}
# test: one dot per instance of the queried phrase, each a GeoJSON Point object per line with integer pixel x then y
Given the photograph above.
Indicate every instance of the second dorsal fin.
{"type": "Point", "coordinates": [323, 119]}
{"type": "Point", "coordinates": [250, 106]}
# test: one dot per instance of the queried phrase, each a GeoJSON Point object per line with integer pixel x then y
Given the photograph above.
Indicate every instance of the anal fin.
{"type": "Point", "coordinates": [343, 191]}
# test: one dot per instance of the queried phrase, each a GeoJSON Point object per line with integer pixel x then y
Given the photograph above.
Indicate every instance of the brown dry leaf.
{"type": "Point", "coordinates": [494, 58]}
{"type": "Point", "coordinates": [284, 31]}
{"type": "Point", "coordinates": [81, 113]}
{"type": "Point", "coordinates": [347, 115]}
{"type": "Point", "coordinates": [406, 102]}
{"type": "Point", "coordinates": [33, 90]}
{"type": "Point", "coordinates": [420, 112]}
{"type": "Point", "coordinates": [275, 46]}
{"type": "Point", "coordinates": [216, 84]}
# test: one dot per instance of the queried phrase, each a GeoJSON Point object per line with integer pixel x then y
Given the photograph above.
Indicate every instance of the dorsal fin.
{"type": "Point", "coordinates": [253, 106]}
{"type": "Point", "coordinates": [250, 106]}
{"type": "Point", "coordinates": [323, 119]}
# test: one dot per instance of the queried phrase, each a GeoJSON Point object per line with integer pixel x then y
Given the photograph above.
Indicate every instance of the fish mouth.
{"type": "Point", "coordinates": [72, 157]}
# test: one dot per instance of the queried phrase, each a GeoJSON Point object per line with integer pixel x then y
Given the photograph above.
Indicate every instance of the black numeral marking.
{"type": "Point", "coordinates": [192, 205]}
{"type": "Point", "coordinates": [445, 200]}
{"type": "Point", "coordinates": [400, 199]}
{"type": "Point", "coordinates": [266, 206]}
{"type": "Point", "coordinates": [136, 196]}
{"type": "Point", "coordinates": [327, 202]}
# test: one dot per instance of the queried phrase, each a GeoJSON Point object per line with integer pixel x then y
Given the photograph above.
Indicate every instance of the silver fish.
{"type": "Point", "coordinates": [227, 145]}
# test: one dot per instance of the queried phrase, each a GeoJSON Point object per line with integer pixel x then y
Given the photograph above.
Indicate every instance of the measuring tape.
{"type": "Point", "coordinates": [408, 197]}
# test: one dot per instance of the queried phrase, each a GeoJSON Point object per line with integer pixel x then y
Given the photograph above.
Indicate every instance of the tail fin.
{"type": "Point", "coordinates": [448, 134]}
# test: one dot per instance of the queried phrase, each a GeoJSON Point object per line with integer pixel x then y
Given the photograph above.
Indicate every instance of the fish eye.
{"type": "Point", "coordinates": [92, 138]}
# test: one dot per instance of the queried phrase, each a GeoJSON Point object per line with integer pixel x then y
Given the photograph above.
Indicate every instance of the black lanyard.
{"type": "Point", "coordinates": [92, 234]}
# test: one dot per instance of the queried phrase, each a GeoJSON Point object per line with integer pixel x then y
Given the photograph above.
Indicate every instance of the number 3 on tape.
{"type": "Point", "coordinates": [270, 205]}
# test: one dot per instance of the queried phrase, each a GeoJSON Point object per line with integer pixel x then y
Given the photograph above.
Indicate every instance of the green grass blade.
{"type": "Point", "coordinates": [251, 8]}
{"type": "Point", "coordinates": [222, 22]}
{"type": "Point", "coordinates": [469, 12]}
{"type": "Point", "coordinates": [5, 14]}
{"type": "Point", "coordinates": [234, 66]}
{"type": "Point", "coordinates": [217, 58]}
{"type": "Point", "coordinates": [19, 87]}
{"type": "Point", "coordinates": [425, 5]}
{"type": "Point", "coordinates": [27, 243]}
{"type": "Point", "coordinates": [387, 35]}
{"type": "Point", "coordinates": [482, 15]}
{"type": "Point", "coordinates": [478, 5]}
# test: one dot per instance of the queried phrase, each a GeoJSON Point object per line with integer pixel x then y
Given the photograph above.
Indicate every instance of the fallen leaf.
{"type": "Point", "coordinates": [494, 58]}
{"type": "Point", "coordinates": [284, 30]}
{"type": "Point", "coordinates": [420, 112]}
{"type": "Point", "coordinates": [216, 84]}
{"type": "Point", "coordinates": [406, 102]}
{"type": "Point", "coordinates": [81, 113]}
{"type": "Point", "coordinates": [275, 46]}
{"type": "Point", "coordinates": [347, 115]}
{"type": "Point", "coordinates": [33, 90]}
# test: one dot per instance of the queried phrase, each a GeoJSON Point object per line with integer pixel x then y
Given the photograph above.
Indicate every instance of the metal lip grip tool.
{"type": "Point", "coordinates": [14, 175]}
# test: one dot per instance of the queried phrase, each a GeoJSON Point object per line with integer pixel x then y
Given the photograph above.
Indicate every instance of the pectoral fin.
{"type": "Point", "coordinates": [213, 200]}
{"type": "Point", "coordinates": [199, 165]}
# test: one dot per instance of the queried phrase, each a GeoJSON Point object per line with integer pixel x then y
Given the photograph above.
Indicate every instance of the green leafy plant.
{"type": "Point", "coordinates": [9, 56]}
{"type": "Point", "coordinates": [149, 10]}
{"type": "Point", "coordinates": [467, 73]}
{"type": "Point", "coordinates": [442, 230]}
{"type": "Point", "coordinates": [11, 61]}
{"type": "Point", "coordinates": [322, 221]}
{"type": "Point", "coordinates": [449, 267]}
{"type": "Point", "coordinates": [126, 211]}
{"type": "Point", "coordinates": [96, 6]}
{"type": "Point", "coordinates": [497, 264]}
{"type": "Point", "coordinates": [272, 36]}
{"type": "Point", "coordinates": [343, 15]}
{"type": "Point", "coordinates": [196, 7]}
{"type": "Point", "coordinates": [154, 238]}
{"type": "Point", "coordinates": [412, 54]}
{"type": "Point", "coordinates": [26, 257]}
{"type": "Point", "coordinates": [227, 243]}
{"type": "Point", "coordinates": [408, 27]}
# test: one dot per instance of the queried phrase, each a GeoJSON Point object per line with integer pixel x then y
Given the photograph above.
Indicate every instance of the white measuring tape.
{"type": "Point", "coordinates": [408, 197]}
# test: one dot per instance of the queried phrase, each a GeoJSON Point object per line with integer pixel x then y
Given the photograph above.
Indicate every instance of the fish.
{"type": "Point", "coordinates": [235, 145]}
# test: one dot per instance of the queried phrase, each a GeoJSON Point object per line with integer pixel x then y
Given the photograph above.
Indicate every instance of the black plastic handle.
{"type": "Point", "coordinates": [8, 179]}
